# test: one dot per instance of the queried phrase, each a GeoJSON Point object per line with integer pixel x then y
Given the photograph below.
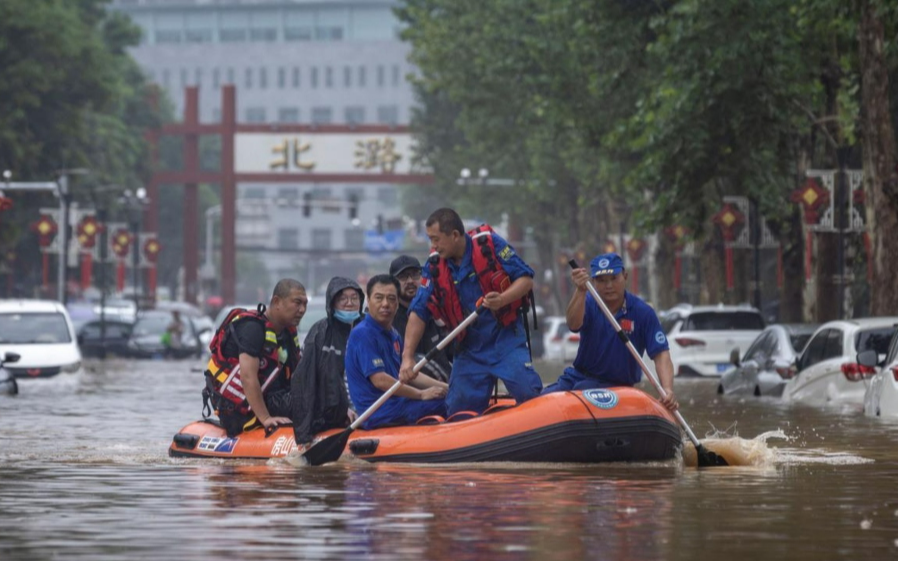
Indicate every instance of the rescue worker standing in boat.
{"type": "Point", "coordinates": [602, 359]}
{"type": "Point", "coordinates": [461, 272]}
{"type": "Point", "coordinates": [254, 354]}
{"type": "Point", "coordinates": [373, 356]}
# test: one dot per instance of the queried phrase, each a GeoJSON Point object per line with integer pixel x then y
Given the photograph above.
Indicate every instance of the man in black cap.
{"type": "Point", "coordinates": [407, 270]}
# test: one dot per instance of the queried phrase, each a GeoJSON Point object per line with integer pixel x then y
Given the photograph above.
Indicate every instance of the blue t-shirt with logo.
{"type": "Point", "coordinates": [486, 338]}
{"type": "Point", "coordinates": [372, 349]}
{"type": "Point", "coordinates": [603, 355]}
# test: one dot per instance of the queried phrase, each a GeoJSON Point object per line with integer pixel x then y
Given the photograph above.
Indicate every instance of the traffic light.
{"type": "Point", "coordinates": [307, 204]}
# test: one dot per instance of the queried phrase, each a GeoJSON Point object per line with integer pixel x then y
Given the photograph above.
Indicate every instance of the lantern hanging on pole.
{"type": "Point", "coordinates": [677, 236]}
{"type": "Point", "coordinates": [46, 229]}
{"type": "Point", "coordinates": [811, 196]}
{"type": "Point", "coordinates": [635, 249]}
{"type": "Point", "coordinates": [121, 247]}
{"type": "Point", "coordinates": [728, 219]}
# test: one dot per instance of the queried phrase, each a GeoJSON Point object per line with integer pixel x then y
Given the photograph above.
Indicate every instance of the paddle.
{"type": "Point", "coordinates": [705, 456]}
{"type": "Point", "coordinates": [331, 448]}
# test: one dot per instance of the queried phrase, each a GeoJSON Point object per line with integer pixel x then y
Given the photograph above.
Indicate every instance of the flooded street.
{"type": "Point", "coordinates": [86, 475]}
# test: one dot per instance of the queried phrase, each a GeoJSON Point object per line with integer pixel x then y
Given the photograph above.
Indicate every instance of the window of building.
{"type": "Point", "coordinates": [388, 114]}
{"type": "Point", "coordinates": [266, 34]}
{"type": "Point", "coordinates": [395, 75]}
{"type": "Point", "coordinates": [216, 78]}
{"type": "Point", "coordinates": [288, 238]}
{"type": "Point", "coordinates": [322, 115]}
{"type": "Point", "coordinates": [248, 78]}
{"type": "Point", "coordinates": [321, 193]}
{"type": "Point", "coordinates": [233, 26]}
{"type": "Point", "coordinates": [255, 114]}
{"type": "Point", "coordinates": [183, 77]}
{"type": "Point", "coordinates": [328, 77]}
{"type": "Point", "coordinates": [198, 36]}
{"type": "Point", "coordinates": [263, 77]}
{"type": "Point", "coordinates": [355, 115]}
{"type": "Point", "coordinates": [282, 77]}
{"type": "Point", "coordinates": [231, 76]}
{"type": "Point", "coordinates": [347, 77]}
{"type": "Point", "coordinates": [216, 115]}
{"type": "Point", "coordinates": [354, 238]}
{"type": "Point", "coordinates": [328, 33]}
{"type": "Point", "coordinates": [254, 193]}
{"type": "Point", "coordinates": [288, 195]}
{"type": "Point", "coordinates": [288, 115]}
{"type": "Point", "coordinates": [164, 36]}
{"type": "Point", "coordinates": [362, 76]}
{"type": "Point", "coordinates": [321, 238]}
{"type": "Point", "coordinates": [313, 77]}
{"type": "Point", "coordinates": [232, 35]}
{"type": "Point", "coordinates": [296, 77]}
{"type": "Point", "coordinates": [380, 76]}
{"type": "Point", "coordinates": [198, 77]}
{"type": "Point", "coordinates": [298, 25]}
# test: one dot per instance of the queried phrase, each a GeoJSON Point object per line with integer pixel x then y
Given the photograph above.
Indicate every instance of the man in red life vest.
{"type": "Point", "coordinates": [462, 271]}
{"type": "Point", "coordinates": [253, 358]}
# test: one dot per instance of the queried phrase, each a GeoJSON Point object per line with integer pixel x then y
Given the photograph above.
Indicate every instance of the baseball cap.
{"type": "Point", "coordinates": [606, 264]}
{"type": "Point", "coordinates": [402, 263]}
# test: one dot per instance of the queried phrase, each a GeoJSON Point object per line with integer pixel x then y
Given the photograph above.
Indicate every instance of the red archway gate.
{"type": "Point", "coordinates": [270, 153]}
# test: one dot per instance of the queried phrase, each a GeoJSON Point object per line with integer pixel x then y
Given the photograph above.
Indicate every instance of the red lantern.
{"type": "Point", "coordinates": [811, 196]}
{"type": "Point", "coordinates": [87, 231]}
{"type": "Point", "coordinates": [5, 203]}
{"type": "Point", "coordinates": [151, 249]}
{"type": "Point", "coordinates": [727, 220]}
{"type": "Point", "coordinates": [46, 230]}
{"type": "Point", "coordinates": [609, 247]}
{"type": "Point", "coordinates": [121, 243]}
{"type": "Point", "coordinates": [635, 248]}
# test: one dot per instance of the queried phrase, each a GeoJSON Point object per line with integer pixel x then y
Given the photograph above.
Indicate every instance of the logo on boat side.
{"type": "Point", "coordinates": [603, 399]}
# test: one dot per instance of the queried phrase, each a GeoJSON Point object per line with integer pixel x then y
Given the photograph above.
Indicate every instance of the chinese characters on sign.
{"type": "Point", "coordinates": [290, 152]}
{"type": "Point", "coordinates": [333, 156]}
{"type": "Point", "coordinates": [374, 153]}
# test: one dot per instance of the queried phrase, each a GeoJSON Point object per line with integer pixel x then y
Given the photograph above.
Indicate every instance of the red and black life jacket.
{"type": "Point", "coordinates": [444, 303]}
{"type": "Point", "coordinates": [223, 372]}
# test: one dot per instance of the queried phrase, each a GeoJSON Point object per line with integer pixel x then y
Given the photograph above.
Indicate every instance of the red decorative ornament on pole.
{"type": "Point", "coordinates": [728, 220]}
{"type": "Point", "coordinates": [635, 248]}
{"type": "Point", "coordinates": [121, 247]}
{"type": "Point", "coordinates": [811, 196]}
{"type": "Point", "coordinates": [151, 249]}
{"type": "Point", "coordinates": [87, 230]}
{"type": "Point", "coordinates": [46, 229]}
{"type": "Point", "coordinates": [677, 236]}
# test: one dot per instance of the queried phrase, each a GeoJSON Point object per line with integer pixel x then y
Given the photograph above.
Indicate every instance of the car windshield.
{"type": "Point", "coordinates": [151, 325]}
{"type": "Point", "coordinates": [799, 340]}
{"type": "Point", "coordinates": [34, 328]}
{"type": "Point", "coordinates": [874, 339]}
{"type": "Point", "coordinates": [724, 321]}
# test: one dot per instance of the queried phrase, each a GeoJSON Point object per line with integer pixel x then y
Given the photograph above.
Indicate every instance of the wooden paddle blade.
{"type": "Point", "coordinates": [328, 450]}
{"type": "Point", "coordinates": [707, 458]}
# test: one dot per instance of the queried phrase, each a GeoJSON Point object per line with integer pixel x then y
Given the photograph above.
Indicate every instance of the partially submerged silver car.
{"type": "Point", "coordinates": [767, 363]}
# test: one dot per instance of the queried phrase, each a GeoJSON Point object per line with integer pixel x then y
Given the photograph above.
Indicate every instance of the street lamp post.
{"type": "Point", "coordinates": [135, 203]}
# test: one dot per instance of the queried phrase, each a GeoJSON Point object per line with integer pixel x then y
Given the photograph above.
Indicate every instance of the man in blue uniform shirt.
{"type": "Point", "coordinates": [603, 360]}
{"type": "Point", "coordinates": [373, 356]}
{"type": "Point", "coordinates": [489, 349]}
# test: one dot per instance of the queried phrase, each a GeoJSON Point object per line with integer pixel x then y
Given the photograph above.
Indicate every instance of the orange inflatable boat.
{"type": "Point", "coordinates": [601, 425]}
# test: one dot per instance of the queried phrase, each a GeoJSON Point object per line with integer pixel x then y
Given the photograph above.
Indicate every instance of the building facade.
{"type": "Point", "coordinates": [322, 62]}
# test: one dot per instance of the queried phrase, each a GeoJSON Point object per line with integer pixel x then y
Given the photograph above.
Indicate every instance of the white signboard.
{"type": "Point", "coordinates": [324, 153]}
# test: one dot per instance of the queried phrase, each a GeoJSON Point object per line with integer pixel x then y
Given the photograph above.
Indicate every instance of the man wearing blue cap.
{"type": "Point", "coordinates": [603, 360]}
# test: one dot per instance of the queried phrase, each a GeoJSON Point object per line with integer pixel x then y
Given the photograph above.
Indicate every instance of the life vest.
{"type": "Point", "coordinates": [223, 372]}
{"type": "Point", "coordinates": [444, 303]}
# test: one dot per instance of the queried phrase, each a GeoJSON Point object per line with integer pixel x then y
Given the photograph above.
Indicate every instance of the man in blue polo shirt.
{"type": "Point", "coordinates": [373, 356]}
{"type": "Point", "coordinates": [494, 346]}
{"type": "Point", "coordinates": [603, 360]}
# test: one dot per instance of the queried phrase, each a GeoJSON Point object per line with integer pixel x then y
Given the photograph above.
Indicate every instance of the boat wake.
{"type": "Point", "coordinates": [758, 453]}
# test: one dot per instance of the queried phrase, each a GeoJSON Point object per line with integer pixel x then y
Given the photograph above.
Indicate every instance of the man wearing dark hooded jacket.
{"type": "Point", "coordinates": [318, 387]}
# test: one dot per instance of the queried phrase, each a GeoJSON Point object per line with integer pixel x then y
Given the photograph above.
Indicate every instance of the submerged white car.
{"type": "Point", "coordinates": [701, 338]}
{"type": "Point", "coordinates": [828, 371]}
{"type": "Point", "coordinates": [768, 362]}
{"type": "Point", "coordinates": [42, 334]}
{"type": "Point", "coordinates": [881, 397]}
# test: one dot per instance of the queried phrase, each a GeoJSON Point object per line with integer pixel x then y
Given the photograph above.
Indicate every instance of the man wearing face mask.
{"type": "Point", "coordinates": [318, 388]}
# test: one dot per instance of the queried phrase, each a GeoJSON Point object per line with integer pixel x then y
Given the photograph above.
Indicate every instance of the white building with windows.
{"type": "Point", "coordinates": [292, 61]}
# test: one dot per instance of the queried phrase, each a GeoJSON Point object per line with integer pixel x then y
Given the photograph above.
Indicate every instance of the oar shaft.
{"type": "Point", "coordinates": [636, 355]}
{"type": "Point", "coordinates": [418, 366]}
